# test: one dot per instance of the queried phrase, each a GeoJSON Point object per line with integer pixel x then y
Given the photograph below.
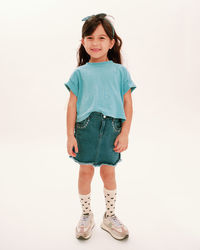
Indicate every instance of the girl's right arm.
{"type": "Point", "coordinates": [70, 121]}
{"type": "Point", "coordinates": [71, 114]}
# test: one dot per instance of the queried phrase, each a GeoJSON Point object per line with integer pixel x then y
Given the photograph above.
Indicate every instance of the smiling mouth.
{"type": "Point", "coordinates": [95, 50]}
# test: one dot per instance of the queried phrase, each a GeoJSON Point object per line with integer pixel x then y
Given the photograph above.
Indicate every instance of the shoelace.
{"type": "Point", "coordinates": [116, 220]}
{"type": "Point", "coordinates": [84, 219]}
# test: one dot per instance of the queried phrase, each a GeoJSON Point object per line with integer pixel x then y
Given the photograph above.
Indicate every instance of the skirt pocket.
{"type": "Point", "coordinates": [83, 124]}
{"type": "Point", "coordinates": [117, 125]}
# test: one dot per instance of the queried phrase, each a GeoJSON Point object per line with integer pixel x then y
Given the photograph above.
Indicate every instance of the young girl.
{"type": "Point", "coordinates": [100, 112]}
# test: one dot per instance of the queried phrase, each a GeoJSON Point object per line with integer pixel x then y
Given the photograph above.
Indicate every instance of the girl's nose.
{"type": "Point", "coordinates": [95, 42]}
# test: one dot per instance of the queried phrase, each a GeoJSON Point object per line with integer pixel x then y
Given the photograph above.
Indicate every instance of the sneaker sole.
{"type": "Point", "coordinates": [81, 237]}
{"type": "Point", "coordinates": [117, 237]}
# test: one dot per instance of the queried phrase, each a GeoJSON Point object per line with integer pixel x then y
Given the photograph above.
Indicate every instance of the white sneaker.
{"type": "Point", "coordinates": [85, 226]}
{"type": "Point", "coordinates": [114, 226]}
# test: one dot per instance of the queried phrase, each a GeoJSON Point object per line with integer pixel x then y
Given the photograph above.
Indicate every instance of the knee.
{"type": "Point", "coordinates": [86, 172]}
{"type": "Point", "coordinates": [107, 174]}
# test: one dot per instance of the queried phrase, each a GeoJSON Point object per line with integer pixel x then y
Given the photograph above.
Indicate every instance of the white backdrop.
{"type": "Point", "coordinates": [158, 178]}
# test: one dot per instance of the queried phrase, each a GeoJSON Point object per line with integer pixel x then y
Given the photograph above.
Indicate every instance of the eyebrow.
{"type": "Point", "coordinates": [100, 35]}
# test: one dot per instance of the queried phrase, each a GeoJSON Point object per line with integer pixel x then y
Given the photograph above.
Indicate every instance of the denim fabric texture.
{"type": "Point", "coordinates": [95, 137]}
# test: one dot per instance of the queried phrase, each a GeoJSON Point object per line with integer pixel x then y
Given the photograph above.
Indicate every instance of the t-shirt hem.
{"type": "Point", "coordinates": [83, 117]}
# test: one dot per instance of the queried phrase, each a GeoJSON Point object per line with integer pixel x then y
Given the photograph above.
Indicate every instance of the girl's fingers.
{"type": "Point", "coordinates": [72, 153]}
{"type": "Point", "coordinates": [119, 149]}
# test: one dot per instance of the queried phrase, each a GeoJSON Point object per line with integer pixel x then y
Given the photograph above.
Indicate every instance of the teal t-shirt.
{"type": "Point", "coordinates": [100, 87]}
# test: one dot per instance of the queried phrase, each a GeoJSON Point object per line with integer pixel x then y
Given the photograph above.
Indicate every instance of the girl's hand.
{"type": "Point", "coordinates": [121, 143]}
{"type": "Point", "coordinates": [72, 143]}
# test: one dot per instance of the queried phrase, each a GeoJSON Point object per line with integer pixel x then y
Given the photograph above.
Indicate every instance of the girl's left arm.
{"type": "Point", "coordinates": [128, 109]}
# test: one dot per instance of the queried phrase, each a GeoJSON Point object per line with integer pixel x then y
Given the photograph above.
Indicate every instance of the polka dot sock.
{"type": "Point", "coordinates": [110, 198]}
{"type": "Point", "coordinates": [85, 203]}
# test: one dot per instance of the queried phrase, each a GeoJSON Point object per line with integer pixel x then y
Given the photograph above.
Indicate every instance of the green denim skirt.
{"type": "Point", "coordinates": [95, 137]}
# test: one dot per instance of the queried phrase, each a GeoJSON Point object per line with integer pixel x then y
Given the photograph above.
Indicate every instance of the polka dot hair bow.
{"type": "Point", "coordinates": [101, 15]}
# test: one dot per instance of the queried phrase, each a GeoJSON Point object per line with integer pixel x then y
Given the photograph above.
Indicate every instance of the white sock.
{"type": "Point", "coordinates": [110, 198]}
{"type": "Point", "coordinates": [85, 203]}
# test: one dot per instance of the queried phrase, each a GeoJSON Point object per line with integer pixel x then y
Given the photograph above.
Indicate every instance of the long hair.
{"type": "Point", "coordinates": [88, 28]}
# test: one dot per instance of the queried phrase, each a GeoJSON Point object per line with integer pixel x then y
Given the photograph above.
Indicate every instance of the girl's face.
{"type": "Point", "coordinates": [98, 44]}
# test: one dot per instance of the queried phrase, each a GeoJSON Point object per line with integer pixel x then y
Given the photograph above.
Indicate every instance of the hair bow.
{"type": "Point", "coordinates": [101, 15]}
{"type": "Point", "coordinates": [86, 18]}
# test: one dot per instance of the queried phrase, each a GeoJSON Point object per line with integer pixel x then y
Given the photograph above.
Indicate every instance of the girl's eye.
{"type": "Point", "coordinates": [100, 37]}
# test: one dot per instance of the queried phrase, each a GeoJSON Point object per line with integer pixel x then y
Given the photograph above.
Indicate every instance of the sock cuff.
{"type": "Point", "coordinates": [109, 191]}
{"type": "Point", "coordinates": [84, 195]}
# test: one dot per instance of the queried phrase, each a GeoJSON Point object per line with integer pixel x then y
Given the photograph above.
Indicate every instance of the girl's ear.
{"type": "Point", "coordinates": [82, 41]}
{"type": "Point", "coordinates": [112, 43]}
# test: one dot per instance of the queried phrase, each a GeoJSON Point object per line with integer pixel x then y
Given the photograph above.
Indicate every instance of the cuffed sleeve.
{"type": "Point", "coordinates": [127, 82]}
{"type": "Point", "coordinates": [73, 83]}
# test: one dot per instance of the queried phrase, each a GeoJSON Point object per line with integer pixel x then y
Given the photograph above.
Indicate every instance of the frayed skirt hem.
{"type": "Point", "coordinates": [92, 163]}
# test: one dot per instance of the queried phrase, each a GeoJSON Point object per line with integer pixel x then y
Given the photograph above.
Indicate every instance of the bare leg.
{"type": "Point", "coordinates": [108, 176]}
{"type": "Point", "coordinates": [86, 173]}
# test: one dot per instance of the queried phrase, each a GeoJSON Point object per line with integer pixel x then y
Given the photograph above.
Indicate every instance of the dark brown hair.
{"type": "Point", "coordinates": [88, 28]}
